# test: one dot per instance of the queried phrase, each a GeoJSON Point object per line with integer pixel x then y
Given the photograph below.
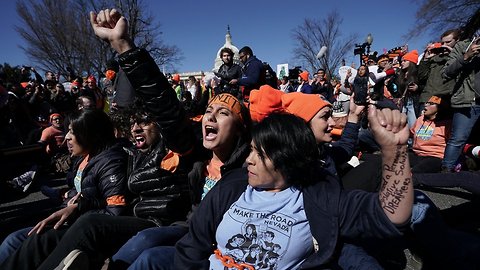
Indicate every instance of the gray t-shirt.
{"type": "Point", "coordinates": [267, 230]}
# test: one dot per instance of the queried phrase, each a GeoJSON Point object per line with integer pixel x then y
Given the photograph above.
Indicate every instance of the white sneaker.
{"type": "Point", "coordinates": [75, 260]}
{"type": "Point", "coordinates": [24, 181]}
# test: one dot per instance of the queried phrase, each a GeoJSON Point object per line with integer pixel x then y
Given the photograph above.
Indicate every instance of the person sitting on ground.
{"type": "Point", "coordinates": [430, 134]}
{"type": "Point", "coordinates": [52, 138]}
{"type": "Point", "coordinates": [158, 178]}
{"type": "Point", "coordinates": [283, 170]}
{"type": "Point", "coordinates": [317, 112]}
{"type": "Point", "coordinates": [99, 184]}
{"type": "Point", "coordinates": [226, 134]}
{"type": "Point", "coordinates": [467, 180]}
{"type": "Point", "coordinates": [54, 135]}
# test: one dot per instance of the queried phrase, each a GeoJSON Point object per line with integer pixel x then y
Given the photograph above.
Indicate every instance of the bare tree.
{"type": "Point", "coordinates": [145, 31]}
{"type": "Point", "coordinates": [312, 34]}
{"type": "Point", "coordinates": [58, 34]}
{"type": "Point", "coordinates": [436, 16]}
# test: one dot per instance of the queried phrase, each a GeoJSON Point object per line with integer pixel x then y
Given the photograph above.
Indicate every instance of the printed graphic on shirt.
{"type": "Point", "coordinates": [425, 132]}
{"type": "Point", "coordinates": [262, 240]}
{"type": "Point", "coordinates": [209, 183]}
{"type": "Point", "coordinates": [77, 181]}
{"type": "Point", "coordinates": [263, 230]}
{"type": "Point", "coordinates": [212, 175]}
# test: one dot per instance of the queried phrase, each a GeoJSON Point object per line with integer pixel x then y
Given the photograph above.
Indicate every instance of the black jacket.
{"type": "Point", "coordinates": [334, 215]}
{"type": "Point", "coordinates": [160, 192]}
{"type": "Point", "coordinates": [226, 74]}
{"type": "Point", "coordinates": [325, 89]}
{"type": "Point", "coordinates": [104, 177]}
{"type": "Point", "coordinates": [197, 176]}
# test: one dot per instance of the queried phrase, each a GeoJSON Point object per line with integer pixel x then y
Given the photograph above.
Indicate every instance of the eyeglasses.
{"type": "Point", "coordinates": [242, 56]}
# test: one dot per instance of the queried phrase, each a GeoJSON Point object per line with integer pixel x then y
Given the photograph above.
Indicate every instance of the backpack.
{"type": "Point", "coordinates": [270, 75]}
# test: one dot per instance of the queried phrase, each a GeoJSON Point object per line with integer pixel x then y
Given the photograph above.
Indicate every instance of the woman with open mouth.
{"type": "Point", "coordinates": [225, 132]}
{"type": "Point", "coordinates": [162, 193]}
{"type": "Point", "coordinates": [299, 210]}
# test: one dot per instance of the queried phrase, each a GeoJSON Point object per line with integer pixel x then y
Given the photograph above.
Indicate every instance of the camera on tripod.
{"type": "Point", "coordinates": [359, 49]}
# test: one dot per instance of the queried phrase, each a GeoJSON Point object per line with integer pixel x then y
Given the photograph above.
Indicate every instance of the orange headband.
{"type": "Point", "coordinates": [435, 100]}
{"type": "Point", "coordinates": [53, 115]}
{"type": "Point", "coordinates": [229, 102]}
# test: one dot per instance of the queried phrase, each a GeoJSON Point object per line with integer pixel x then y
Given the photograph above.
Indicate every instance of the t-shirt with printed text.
{"type": "Point", "coordinates": [267, 230]}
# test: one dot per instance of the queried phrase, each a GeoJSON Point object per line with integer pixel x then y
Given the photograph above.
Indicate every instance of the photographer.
{"type": "Point", "coordinates": [430, 68]}
{"type": "Point", "coordinates": [229, 73]}
{"type": "Point", "coordinates": [463, 65]}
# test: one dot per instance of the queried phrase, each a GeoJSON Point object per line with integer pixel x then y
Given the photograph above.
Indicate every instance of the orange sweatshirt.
{"type": "Point", "coordinates": [430, 137]}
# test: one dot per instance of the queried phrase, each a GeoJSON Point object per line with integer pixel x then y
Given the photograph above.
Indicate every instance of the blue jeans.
{"type": "Point", "coordinates": [424, 212]}
{"type": "Point", "coordinates": [156, 258]}
{"type": "Point", "coordinates": [439, 243]}
{"type": "Point", "coordinates": [145, 240]}
{"type": "Point", "coordinates": [355, 257]}
{"type": "Point", "coordinates": [409, 110]}
{"type": "Point", "coordinates": [463, 121]}
{"type": "Point", "coordinates": [12, 242]}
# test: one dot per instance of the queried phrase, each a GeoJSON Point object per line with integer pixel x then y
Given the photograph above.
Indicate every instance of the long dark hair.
{"type": "Point", "coordinates": [407, 76]}
{"type": "Point", "coordinates": [93, 130]}
{"type": "Point", "coordinates": [360, 83]}
{"type": "Point", "coordinates": [290, 144]}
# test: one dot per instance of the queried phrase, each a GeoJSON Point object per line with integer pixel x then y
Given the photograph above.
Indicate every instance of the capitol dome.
{"type": "Point", "coordinates": [228, 44]}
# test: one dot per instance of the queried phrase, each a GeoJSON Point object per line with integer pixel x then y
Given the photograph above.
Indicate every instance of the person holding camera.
{"type": "Point", "coordinates": [463, 65]}
{"type": "Point", "coordinates": [322, 85]}
{"type": "Point", "coordinates": [430, 67]}
{"type": "Point", "coordinates": [229, 73]}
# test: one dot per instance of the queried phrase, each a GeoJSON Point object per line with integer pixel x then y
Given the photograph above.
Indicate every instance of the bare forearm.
{"type": "Point", "coordinates": [122, 45]}
{"type": "Point", "coordinates": [396, 192]}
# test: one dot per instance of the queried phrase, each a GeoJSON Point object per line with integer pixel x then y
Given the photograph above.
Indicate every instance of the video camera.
{"type": "Point", "coordinates": [293, 73]}
{"type": "Point", "coordinates": [359, 49]}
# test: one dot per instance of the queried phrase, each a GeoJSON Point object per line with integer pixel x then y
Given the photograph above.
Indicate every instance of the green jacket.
{"type": "Point", "coordinates": [430, 74]}
{"type": "Point", "coordinates": [464, 74]}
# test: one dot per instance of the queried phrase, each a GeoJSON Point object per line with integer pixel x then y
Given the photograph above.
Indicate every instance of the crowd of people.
{"type": "Point", "coordinates": [229, 172]}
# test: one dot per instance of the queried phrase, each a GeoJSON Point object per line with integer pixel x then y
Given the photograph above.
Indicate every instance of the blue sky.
{"type": "Point", "coordinates": [198, 28]}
